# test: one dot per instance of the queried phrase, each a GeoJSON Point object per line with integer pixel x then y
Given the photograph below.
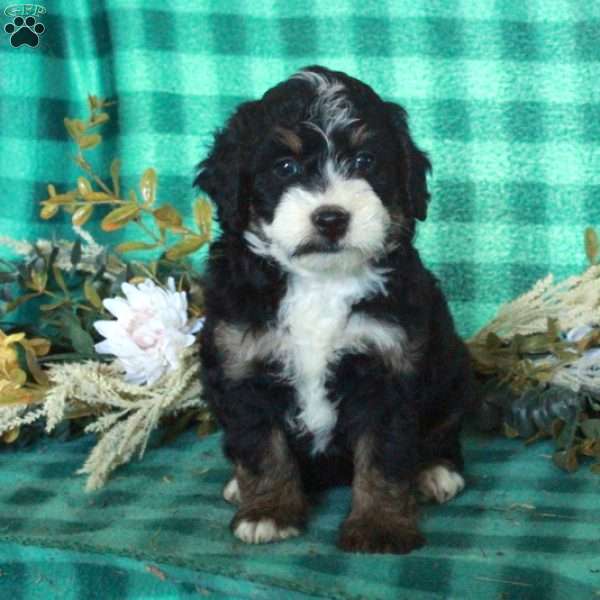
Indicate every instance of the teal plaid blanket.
{"type": "Point", "coordinates": [505, 97]}
{"type": "Point", "coordinates": [519, 531]}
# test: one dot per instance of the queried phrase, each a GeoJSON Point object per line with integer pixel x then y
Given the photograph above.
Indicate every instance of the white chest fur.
{"type": "Point", "coordinates": [314, 327]}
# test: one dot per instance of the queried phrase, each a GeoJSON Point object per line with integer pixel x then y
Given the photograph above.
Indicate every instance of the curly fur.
{"type": "Point", "coordinates": [325, 343]}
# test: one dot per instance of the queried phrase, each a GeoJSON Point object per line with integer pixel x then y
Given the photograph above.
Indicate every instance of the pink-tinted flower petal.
{"type": "Point", "coordinates": [118, 307]}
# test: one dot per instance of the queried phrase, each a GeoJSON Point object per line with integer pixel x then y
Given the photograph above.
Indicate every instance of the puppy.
{"type": "Point", "coordinates": [329, 354]}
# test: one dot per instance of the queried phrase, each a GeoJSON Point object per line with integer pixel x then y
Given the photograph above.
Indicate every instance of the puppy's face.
{"type": "Point", "coordinates": [319, 175]}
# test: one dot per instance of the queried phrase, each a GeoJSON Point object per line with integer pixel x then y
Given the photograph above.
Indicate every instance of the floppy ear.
{"type": "Point", "coordinates": [223, 174]}
{"type": "Point", "coordinates": [416, 165]}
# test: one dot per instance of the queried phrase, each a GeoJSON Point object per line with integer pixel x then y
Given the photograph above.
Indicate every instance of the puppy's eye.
{"type": "Point", "coordinates": [363, 162]}
{"type": "Point", "coordinates": [287, 167]}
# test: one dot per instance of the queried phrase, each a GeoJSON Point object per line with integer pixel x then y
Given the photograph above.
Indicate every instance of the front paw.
{"type": "Point", "coordinates": [262, 530]}
{"type": "Point", "coordinates": [440, 483]}
{"type": "Point", "coordinates": [366, 535]}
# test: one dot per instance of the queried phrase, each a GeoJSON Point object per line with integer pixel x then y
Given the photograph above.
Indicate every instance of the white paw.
{"type": "Point", "coordinates": [263, 531]}
{"type": "Point", "coordinates": [231, 492]}
{"type": "Point", "coordinates": [440, 483]}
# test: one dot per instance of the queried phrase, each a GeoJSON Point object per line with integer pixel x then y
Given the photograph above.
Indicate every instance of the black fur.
{"type": "Point", "coordinates": [415, 419]}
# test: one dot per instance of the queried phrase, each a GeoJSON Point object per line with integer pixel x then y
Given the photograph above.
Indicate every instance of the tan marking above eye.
{"type": "Point", "coordinates": [289, 138]}
{"type": "Point", "coordinates": [359, 135]}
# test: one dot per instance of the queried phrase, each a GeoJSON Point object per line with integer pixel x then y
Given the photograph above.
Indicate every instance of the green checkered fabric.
{"type": "Point", "coordinates": [520, 530]}
{"type": "Point", "coordinates": [505, 97]}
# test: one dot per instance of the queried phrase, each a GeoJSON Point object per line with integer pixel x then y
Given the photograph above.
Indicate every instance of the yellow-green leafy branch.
{"type": "Point", "coordinates": [81, 201]}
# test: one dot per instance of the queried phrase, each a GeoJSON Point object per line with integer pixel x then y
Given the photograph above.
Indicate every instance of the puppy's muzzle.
{"type": "Point", "coordinates": [331, 221]}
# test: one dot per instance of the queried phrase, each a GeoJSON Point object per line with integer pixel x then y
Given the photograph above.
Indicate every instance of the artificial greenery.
{"type": "Point", "coordinates": [92, 192]}
{"type": "Point", "coordinates": [66, 295]}
{"type": "Point", "coordinates": [62, 284]}
{"type": "Point", "coordinates": [529, 385]}
{"type": "Point", "coordinates": [15, 384]}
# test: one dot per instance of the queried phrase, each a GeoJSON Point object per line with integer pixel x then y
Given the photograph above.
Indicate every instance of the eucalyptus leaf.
{"type": "Point", "coordinates": [53, 255]}
{"type": "Point", "coordinates": [53, 305]}
{"type": "Point", "coordinates": [64, 357]}
{"type": "Point", "coordinates": [76, 252]}
{"type": "Point", "coordinates": [81, 340]}
{"type": "Point", "coordinates": [91, 294]}
{"type": "Point", "coordinates": [60, 280]}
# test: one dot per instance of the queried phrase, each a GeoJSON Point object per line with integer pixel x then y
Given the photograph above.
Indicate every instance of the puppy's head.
{"type": "Point", "coordinates": [319, 175]}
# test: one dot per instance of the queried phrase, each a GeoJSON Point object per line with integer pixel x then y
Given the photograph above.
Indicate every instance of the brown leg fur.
{"type": "Point", "coordinates": [384, 514]}
{"type": "Point", "coordinates": [272, 504]}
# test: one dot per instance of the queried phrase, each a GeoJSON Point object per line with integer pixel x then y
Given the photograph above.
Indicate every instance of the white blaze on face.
{"type": "Point", "coordinates": [292, 226]}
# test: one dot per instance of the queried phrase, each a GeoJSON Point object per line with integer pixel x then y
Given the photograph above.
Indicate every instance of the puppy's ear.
{"type": "Point", "coordinates": [223, 175]}
{"type": "Point", "coordinates": [416, 164]}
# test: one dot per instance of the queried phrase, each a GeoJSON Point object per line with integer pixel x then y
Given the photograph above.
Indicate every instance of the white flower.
{"type": "Point", "coordinates": [150, 332]}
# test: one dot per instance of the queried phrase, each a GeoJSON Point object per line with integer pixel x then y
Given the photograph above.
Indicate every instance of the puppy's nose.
{"type": "Point", "coordinates": [331, 221]}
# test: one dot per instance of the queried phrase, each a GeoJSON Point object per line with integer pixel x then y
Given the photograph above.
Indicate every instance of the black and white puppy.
{"type": "Point", "coordinates": [329, 354]}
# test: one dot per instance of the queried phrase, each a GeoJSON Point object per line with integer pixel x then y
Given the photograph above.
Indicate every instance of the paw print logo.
{"type": "Point", "coordinates": [24, 31]}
